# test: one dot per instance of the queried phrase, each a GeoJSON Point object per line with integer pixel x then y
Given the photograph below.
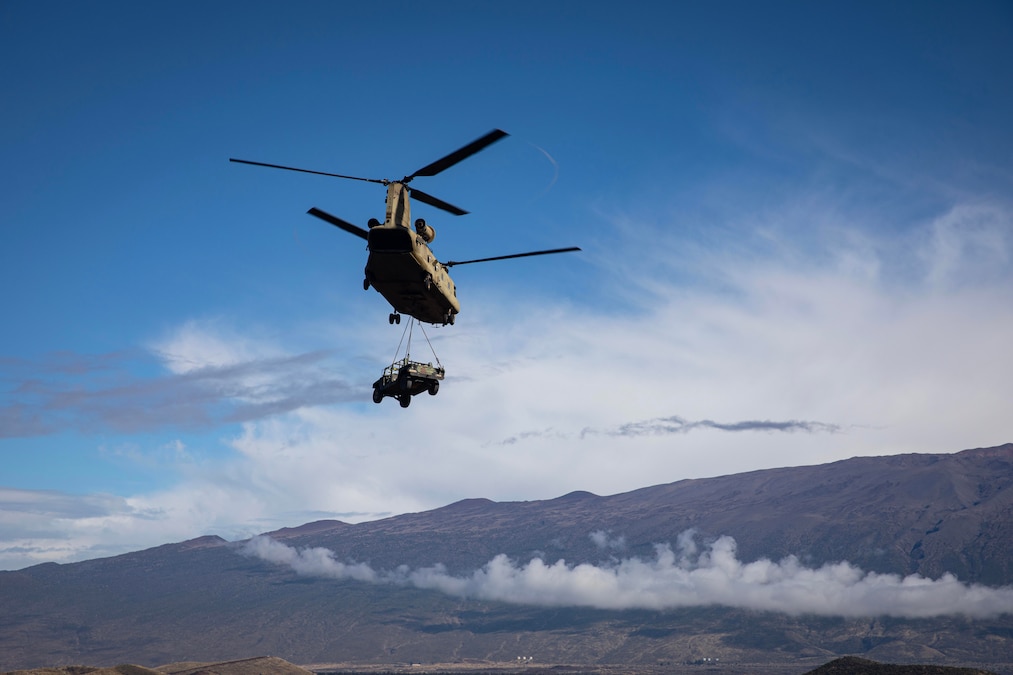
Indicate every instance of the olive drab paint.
{"type": "Point", "coordinates": [402, 267]}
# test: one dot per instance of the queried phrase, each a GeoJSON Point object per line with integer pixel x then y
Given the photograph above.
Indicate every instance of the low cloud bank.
{"type": "Point", "coordinates": [683, 576]}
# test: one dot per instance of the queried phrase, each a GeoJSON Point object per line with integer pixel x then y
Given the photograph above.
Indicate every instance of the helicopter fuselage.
{"type": "Point", "coordinates": [402, 267]}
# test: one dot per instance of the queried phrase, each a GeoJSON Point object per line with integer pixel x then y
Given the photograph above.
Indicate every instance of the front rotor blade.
{"type": "Point", "coordinates": [438, 203]}
{"type": "Point", "coordinates": [515, 255]}
{"type": "Point", "coordinates": [458, 155]}
{"type": "Point", "coordinates": [319, 173]}
{"type": "Point", "coordinates": [338, 222]}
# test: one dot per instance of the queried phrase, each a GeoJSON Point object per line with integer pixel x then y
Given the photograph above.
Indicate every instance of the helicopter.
{"type": "Point", "coordinates": [401, 265]}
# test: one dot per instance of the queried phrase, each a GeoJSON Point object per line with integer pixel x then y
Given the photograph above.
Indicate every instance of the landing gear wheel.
{"type": "Point", "coordinates": [433, 388]}
{"type": "Point", "coordinates": [394, 318]}
{"type": "Point", "coordinates": [377, 396]}
{"type": "Point", "coordinates": [405, 400]}
{"type": "Point", "coordinates": [365, 284]}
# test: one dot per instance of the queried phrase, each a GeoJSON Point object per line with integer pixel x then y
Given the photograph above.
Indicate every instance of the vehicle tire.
{"type": "Point", "coordinates": [397, 319]}
{"type": "Point", "coordinates": [405, 400]}
{"type": "Point", "coordinates": [365, 284]}
{"type": "Point", "coordinates": [433, 388]}
{"type": "Point", "coordinates": [390, 319]}
{"type": "Point", "coordinates": [377, 396]}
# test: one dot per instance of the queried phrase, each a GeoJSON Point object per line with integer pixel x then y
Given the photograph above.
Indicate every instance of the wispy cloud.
{"type": "Point", "coordinates": [605, 541]}
{"type": "Point", "coordinates": [121, 393]}
{"type": "Point", "coordinates": [673, 424]}
{"type": "Point", "coordinates": [969, 244]}
{"type": "Point", "coordinates": [42, 525]}
{"type": "Point", "coordinates": [684, 576]}
{"type": "Point", "coordinates": [678, 425]}
{"type": "Point", "coordinates": [52, 526]}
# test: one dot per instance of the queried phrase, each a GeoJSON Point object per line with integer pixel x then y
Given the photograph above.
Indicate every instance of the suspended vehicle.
{"type": "Point", "coordinates": [404, 377]}
{"type": "Point", "coordinates": [401, 266]}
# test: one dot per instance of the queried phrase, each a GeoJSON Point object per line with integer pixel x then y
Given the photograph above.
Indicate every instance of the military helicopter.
{"type": "Point", "coordinates": [401, 266]}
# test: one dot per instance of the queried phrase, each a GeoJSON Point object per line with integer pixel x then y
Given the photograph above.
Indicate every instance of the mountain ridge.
{"type": "Point", "coordinates": [770, 513]}
{"type": "Point", "coordinates": [208, 600]}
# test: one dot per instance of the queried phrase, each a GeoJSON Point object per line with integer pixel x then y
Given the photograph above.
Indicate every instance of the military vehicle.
{"type": "Point", "coordinates": [405, 378]}
{"type": "Point", "coordinates": [401, 266]}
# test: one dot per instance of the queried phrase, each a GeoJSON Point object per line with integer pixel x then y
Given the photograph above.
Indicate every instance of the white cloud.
{"type": "Point", "coordinates": [314, 562]}
{"type": "Point", "coordinates": [969, 244]}
{"type": "Point", "coordinates": [211, 343]}
{"type": "Point", "coordinates": [683, 577]}
{"type": "Point", "coordinates": [43, 525]}
{"type": "Point", "coordinates": [605, 541]}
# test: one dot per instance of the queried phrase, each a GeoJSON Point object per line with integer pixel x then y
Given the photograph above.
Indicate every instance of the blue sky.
{"type": "Point", "coordinates": [795, 219]}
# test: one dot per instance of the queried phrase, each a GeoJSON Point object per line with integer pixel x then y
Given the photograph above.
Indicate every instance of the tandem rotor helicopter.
{"type": "Point", "coordinates": [401, 266]}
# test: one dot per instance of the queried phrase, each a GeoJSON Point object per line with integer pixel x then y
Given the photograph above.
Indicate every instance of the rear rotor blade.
{"type": "Point", "coordinates": [458, 155]}
{"type": "Point", "coordinates": [515, 255]}
{"type": "Point", "coordinates": [338, 222]}
{"type": "Point", "coordinates": [438, 203]}
{"type": "Point", "coordinates": [319, 173]}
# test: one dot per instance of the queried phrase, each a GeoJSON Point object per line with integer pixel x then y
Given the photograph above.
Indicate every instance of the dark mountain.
{"type": "Point", "coordinates": [851, 665]}
{"type": "Point", "coordinates": [204, 601]}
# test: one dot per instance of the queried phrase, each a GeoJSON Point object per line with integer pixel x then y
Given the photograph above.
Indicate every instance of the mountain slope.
{"type": "Point", "coordinates": [902, 514]}
{"type": "Point", "coordinates": [204, 601]}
